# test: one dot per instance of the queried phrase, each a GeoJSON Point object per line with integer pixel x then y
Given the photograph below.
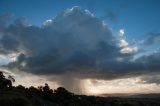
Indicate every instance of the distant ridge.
{"type": "Point", "coordinates": [132, 95]}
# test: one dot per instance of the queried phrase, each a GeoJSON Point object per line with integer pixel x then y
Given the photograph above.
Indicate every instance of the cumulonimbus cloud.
{"type": "Point", "coordinates": [76, 42]}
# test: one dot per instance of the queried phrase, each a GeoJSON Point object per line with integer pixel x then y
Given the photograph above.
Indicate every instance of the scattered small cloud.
{"type": "Point", "coordinates": [121, 32]}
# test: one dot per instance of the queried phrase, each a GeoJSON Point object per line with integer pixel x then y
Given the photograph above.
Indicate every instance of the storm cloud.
{"type": "Point", "coordinates": [74, 43]}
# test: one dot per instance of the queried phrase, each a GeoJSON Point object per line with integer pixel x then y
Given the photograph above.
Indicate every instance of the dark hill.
{"type": "Point", "coordinates": [44, 96]}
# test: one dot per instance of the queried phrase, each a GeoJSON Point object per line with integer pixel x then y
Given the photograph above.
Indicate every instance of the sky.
{"type": "Point", "coordinates": [87, 46]}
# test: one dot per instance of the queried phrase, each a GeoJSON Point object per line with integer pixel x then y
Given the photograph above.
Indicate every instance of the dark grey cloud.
{"type": "Point", "coordinates": [150, 79]}
{"type": "Point", "coordinates": [8, 44]}
{"type": "Point", "coordinates": [151, 61]}
{"type": "Point", "coordinates": [72, 40]}
{"type": "Point", "coordinates": [5, 20]}
{"type": "Point", "coordinates": [74, 44]}
{"type": "Point", "coordinates": [152, 38]}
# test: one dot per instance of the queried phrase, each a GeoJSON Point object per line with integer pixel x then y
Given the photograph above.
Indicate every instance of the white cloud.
{"type": "Point", "coordinates": [121, 32]}
{"type": "Point", "coordinates": [89, 13]}
{"type": "Point", "coordinates": [129, 50]}
{"type": "Point", "coordinates": [47, 22]}
{"type": "Point", "coordinates": [5, 59]}
{"type": "Point", "coordinates": [122, 43]}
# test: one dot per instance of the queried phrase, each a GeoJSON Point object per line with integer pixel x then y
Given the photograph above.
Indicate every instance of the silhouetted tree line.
{"type": "Point", "coordinates": [45, 96]}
